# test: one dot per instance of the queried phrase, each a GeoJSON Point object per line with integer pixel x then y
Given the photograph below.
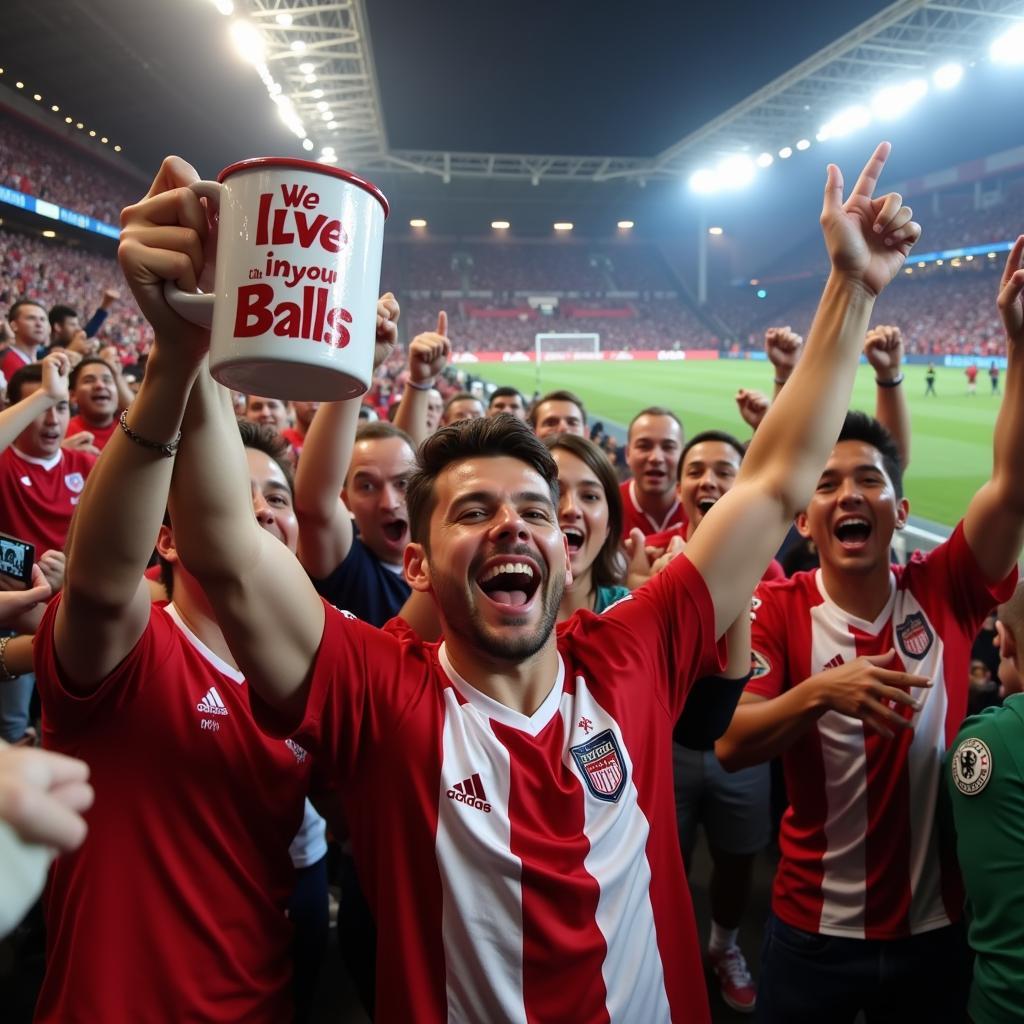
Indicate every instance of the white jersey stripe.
{"type": "Point", "coordinates": [927, 909]}
{"type": "Point", "coordinates": [617, 861]}
{"type": "Point", "coordinates": [481, 878]}
{"type": "Point", "coordinates": [846, 824]}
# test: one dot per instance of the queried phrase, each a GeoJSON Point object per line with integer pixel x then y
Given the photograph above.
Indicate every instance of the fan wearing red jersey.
{"type": "Point", "coordinates": [860, 682]}
{"type": "Point", "coordinates": [654, 445]}
{"type": "Point", "coordinates": [30, 325]}
{"type": "Point", "coordinates": [534, 766]}
{"type": "Point", "coordinates": [183, 882]}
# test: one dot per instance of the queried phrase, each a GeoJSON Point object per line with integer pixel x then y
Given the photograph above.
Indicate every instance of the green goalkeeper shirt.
{"type": "Point", "coordinates": [984, 775]}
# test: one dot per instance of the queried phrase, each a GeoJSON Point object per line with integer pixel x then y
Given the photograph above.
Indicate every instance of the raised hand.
{"type": "Point", "coordinates": [56, 367]}
{"type": "Point", "coordinates": [1011, 288]}
{"type": "Point", "coordinates": [388, 312]}
{"type": "Point", "coordinates": [81, 442]}
{"type": "Point", "coordinates": [868, 239]}
{"type": "Point", "coordinates": [752, 405]}
{"type": "Point", "coordinates": [864, 689]}
{"type": "Point", "coordinates": [883, 349]}
{"type": "Point", "coordinates": [163, 238]}
{"type": "Point", "coordinates": [429, 352]}
{"type": "Point", "coordinates": [783, 346]}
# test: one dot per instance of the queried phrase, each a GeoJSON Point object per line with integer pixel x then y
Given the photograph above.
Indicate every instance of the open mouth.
{"type": "Point", "coordinates": [853, 533]}
{"type": "Point", "coordinates": [395, 530]}
{"type": "Point", "coordinates": [509, 582]}
{"type": "Point", "coordinates": [705, 505]}
{"type": "Point", "coordinates": [574, 538]}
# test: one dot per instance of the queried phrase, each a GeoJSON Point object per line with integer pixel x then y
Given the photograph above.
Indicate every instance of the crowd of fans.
{"type": "Point", "coordinates": [534, 624]}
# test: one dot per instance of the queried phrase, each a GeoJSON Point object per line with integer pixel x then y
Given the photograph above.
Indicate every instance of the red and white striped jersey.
{"type": "Point", "coordinates": [521, 868]}
{"type": "Point", "coordinates": [859, 849]}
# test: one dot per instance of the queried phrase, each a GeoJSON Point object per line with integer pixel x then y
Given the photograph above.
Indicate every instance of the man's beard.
{"type": "Point", "coordinates": [463, 619]}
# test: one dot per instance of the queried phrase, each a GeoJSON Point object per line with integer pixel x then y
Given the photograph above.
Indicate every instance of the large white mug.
{"type": "Point", "coordinates": [293, 310]}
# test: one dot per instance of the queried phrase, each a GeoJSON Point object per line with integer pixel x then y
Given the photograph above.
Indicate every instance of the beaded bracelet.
{"type": "Point", "coordinates": [167, 450]}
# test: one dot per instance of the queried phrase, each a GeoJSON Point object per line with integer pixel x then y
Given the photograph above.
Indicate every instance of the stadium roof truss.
{"type": "Point", "coordinates": [907, 39]}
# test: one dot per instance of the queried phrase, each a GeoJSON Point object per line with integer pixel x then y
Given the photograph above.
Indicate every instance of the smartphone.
{"type": "Point", "coordinates": [16, 558]}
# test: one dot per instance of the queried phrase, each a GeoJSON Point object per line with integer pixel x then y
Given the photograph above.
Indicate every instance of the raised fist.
{"type": "Point", "coordinates": [388, 312]}
{"type": "Point", "coordinates": [783, 346]}
{"type": "Point", "coordinates": [429, 352]}
{"type": "Point", "coordinates": [56, 367]}
{"type": "Point", "coordinates": [752, 407]}
{"type": "Point", "coordinates": [883, 349]}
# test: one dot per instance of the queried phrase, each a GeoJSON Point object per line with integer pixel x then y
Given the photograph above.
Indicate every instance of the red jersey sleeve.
{"type": "Point", "coordinates": [68, 710]}
{"type": "Point", "coordinates": [664, 632]}
{"type": "Point", "coordinates": [768, 630]}
{"type": "Point", "coordinates": [361, 682]}
{"type": "Point", "coordinates": [951, 569]}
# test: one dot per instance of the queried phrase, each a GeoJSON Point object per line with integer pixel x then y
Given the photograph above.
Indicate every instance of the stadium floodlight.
{"type": "Point", "coordinates": [500, 225]}
{"type": "Point", "coordinates": [849, 120]}
{"type": "Point", "coordinates": [298, 46]}
{"type": "Point", "coordinates": [735, 171]}
{"type": "Point", "coordinates": [317, 94]}
{"type": "Point", "coordinates": [761, 293]}
{"type": "Point", "coordinates": [306, 67]}
{"type": "Point", "coordinates": [332, 125]}
{"type": "Point", "coordinates": [715, 230]}
{"type": "Point", "coordinates": [68, 120]}
{"type": "Point", "coordinates": [948, 75]}
{"type": "Point", "coordinates": [55, 108]}
{"type": "Point", "coordinates": [92, 134]}
{"type": "Point", "coordinates": [327, 150]}
{"type": "Point", "coordinates": [785, 153]}
{"type": "Point", "coordinates": [325, 159]}
{"type": "Point", "coordinates": [895, 100]}
{"type": "Point", "coordinates": [19, 85]}
{"type": "Point", "coordinates": [225, 7]}
{"type": "Point", "coordinates": [803, 144]}
{"type": "Point", "coordinates": [284, 19]}
{"type": "Point", "coordinates": [625, 225]}
{"type": "Point", "coordinates": [36, 96]}
{"type": "Point", "coordinates": [328, 115]}
{"type": "Point", "coordinates": [307, 144]}
{"type": "Point", "coordinates": [117, 149]}
{"type": "Point", "coordinates": [309, 79]}
{"type": "Point", "coordinates": [104, 139]}
{"type": "Point", "coordinates": [703, 181]}
{"type": "Point", "coordinates": [248, 42]}
{"type": "Point", "coordinates": [79, 125]}
{"type": "Point", "coordinates": [765, 160]}
{"type": "Point", "coordinates": [322, 105]}
{"type": "Point", "coordinates": [1009, 47]}
{"type": "Point", "coordinates": [417, 222]}
{"type": "Point", "coordinates": [49, 234]}
{"type": "Point", "coordinates": [562, 225]}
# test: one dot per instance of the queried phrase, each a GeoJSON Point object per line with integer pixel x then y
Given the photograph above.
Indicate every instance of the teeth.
{"type": "Point", "coordinates": [854, 522]}
{"type": "Point", "coordinates": [516, 567]}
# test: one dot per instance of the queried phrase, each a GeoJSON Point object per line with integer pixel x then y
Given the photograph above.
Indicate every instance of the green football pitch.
{"type": "Point", "coordinates": [951, 452]}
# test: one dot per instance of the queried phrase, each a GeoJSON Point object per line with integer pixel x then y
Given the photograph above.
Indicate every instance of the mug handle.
{"type": "Point", "coordinates": [196, 307]}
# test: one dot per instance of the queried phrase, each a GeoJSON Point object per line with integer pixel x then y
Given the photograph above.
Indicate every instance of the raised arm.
{"type": "Point", "coordinates": [52, 393]}
{"type": "Point", "coordinates": [325, 524]}
{"type": "Point", "coordinates": [868, 240]}
{"type": "Point", "coordinates": [783, 346]}
{"type": "Point", "coordinates": [883, 349]}
{"type": "Point", "coordinates": [428, 356]}
{"type": "Point", "coordinates": [106, 602]}
{"type": "Point", "coordinates": [994, 524]}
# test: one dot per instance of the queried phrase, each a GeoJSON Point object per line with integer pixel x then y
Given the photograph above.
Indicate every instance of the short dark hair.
{"type": "Point", "coordinates": [381, 430]}
{"type": "Point", "coordinates": [505, 392]}
{"type": "Point", "coordinates": [859, 426]}
{"type": "Point", "coordinates": [654, 410]}
{"type": "Point", "coordinates": [609, 568]}
{"type": "Point", "coordinates": [30, 374]}
{"type": "Point", "coordinates": [58, 314]}
{"type": "Point", "coordinates": [461, 396]}
{"type": "Point", "coordinates": [87, 361]}
{"type": "Point", "coordinates": [12, 313]}
{"type": "Point", "coordinates": [710, 435]}
{"type": "Point", "coordinates": [556, 396]}
{"type": "Point", "coordinates": [260, 437]}
{"type": "Point", "coordinates": [481, 438]}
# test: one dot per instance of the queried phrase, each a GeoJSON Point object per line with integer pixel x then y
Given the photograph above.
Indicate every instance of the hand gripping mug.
{"type": "Point", "coordinates": [293, 310]}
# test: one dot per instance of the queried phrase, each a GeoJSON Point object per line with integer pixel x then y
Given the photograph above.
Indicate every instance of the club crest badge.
{"type": "Point", "coordinates": [760, 666]}
{"type": "Point", "coordinates": [74, 482]}
{"type": "Point", "coordinates": [915, 636]}
{"type": "Point", "coordinates": [601, 763]}
{"type": "Point", "coordinates": [971, 765]}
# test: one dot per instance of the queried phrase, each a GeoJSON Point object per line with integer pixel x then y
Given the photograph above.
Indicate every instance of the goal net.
{"type": "Point", "coordinates": [552, 343]}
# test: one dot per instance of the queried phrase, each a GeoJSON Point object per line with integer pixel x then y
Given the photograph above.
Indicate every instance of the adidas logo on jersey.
{"type": "Point", "coordinates": [834, 662]}
{"type": "Point", "coordinates": [211, 704]}
{"type": "Point", "coordinates": [470, 791]}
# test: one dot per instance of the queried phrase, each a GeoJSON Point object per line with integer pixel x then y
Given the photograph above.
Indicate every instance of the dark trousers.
{"type": "Point", "coordinates": [808, 978]}
{"type": "Point", "coordinates": [308, 912]}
